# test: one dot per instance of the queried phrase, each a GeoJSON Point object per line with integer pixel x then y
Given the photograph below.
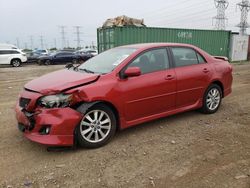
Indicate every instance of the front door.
{"type": "Point", "coordinates": [152, 92]}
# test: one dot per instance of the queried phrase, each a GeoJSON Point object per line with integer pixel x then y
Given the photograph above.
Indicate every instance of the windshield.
{"type": "Point", "coordinates": [106, 61]}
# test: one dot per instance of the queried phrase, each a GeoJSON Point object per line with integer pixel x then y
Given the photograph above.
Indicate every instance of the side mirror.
{"type": "Point", "coordinates": [132, 72]}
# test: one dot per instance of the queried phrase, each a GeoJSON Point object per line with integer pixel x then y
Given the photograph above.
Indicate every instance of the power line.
{"type": "Point", "coordinates": [55, 42]}
{"type": "Point", "coordinates": [17, 42]}
{"type": "Point", "coordinates": [175, 13]}
{"type": "Point", "coordinates": [185, 17]}
{"type": "Point", "coordinates": [62, 28]}
{"type": "Point", "coordinates": [244, 7]}
{"type": "Point", "coordinates": [165, 9]}
{"type": "Point", "coordinates": [220, 18]}
{"type": "Point", "coordinates": [31, 42]}
{"type": "Point", "coordinates": [78, 38]}
{"type": "Point", "coordinates": [42, 42]}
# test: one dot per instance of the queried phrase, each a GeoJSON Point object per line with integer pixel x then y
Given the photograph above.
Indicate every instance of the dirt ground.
{"type": "Point", "coordinates": [185, 150]}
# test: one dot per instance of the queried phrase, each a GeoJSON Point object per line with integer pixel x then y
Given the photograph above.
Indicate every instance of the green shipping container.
{"type": "Point", "coordinates": [212, 41]}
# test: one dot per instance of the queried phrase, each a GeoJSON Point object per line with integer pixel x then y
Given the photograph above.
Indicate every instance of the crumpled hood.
{"type": "Point", "coordinates": [60, 80]}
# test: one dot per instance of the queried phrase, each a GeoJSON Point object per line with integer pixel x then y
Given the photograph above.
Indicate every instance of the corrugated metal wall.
{"type": "Point", "coordinates": [212, 41]}
{"type": "Point", "coordinates": [238, 47]}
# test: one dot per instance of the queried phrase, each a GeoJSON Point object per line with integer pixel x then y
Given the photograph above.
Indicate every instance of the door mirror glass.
{"type": "Point", "coordinates": [132, 72]}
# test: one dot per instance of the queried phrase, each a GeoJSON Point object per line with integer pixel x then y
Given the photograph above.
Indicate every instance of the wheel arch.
{"type": "Point", "coordinates": [220, 84]}
{"type": "Point", "coordinates": [15, 58]}
{"type": "Point", "coordinates": [83, 107]}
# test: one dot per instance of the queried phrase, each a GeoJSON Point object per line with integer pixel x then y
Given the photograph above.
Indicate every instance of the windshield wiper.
{"type": "Point", "coordinates": [87, 71]}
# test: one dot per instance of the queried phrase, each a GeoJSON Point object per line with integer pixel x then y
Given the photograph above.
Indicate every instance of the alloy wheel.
{"type": "Point", "coordinates": [213, 99]}
{"type": "Point", "coordinates": [16, 63]}
{"type": "Point", "coordinates": [95, 126]}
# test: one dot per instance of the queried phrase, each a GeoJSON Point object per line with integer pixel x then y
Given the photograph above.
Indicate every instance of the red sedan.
{"type": "Point", "coordinates": [120, 88]}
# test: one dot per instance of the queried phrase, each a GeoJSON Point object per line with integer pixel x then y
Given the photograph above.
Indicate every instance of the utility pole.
{"type": "Point", "coordinates": [31, 42]}
{"type": "Point", "coordinates": [220, 18]}
{"type": "Point", "coordinates": [68, 46]}
{"type": "Point", "coordinates": [41, 40]}
{"type": "Point", "coordinates": [55, 43]}
{"type": "Point", "coordinates": [244, 7]}
{"type": "Point", "coordinates": [78, 38]}
{"type": "Point", "coordinates": [62, 28]}
{"type": "Point", "coordinates": [17, 42]}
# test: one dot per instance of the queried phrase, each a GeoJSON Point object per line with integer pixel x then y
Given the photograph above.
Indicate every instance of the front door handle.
{"type": "Point", "coordinates": [169, 77]}
{"type": "Point", "coordinates": [205, 70]}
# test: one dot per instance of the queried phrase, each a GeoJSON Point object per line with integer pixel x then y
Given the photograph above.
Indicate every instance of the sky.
{"type": "Point", "coordinates": [21, 20]}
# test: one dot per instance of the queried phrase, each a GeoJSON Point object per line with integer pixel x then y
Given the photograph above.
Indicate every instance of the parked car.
{"type": "Point", "coordinates": [59, 57]}
{"type": "Point", "coordinates": [12, 57]}
{"type": "Point", "coordinates": [93, 52]}
{"type": "Point", "coordinates": [7, 46]}
{"type": "Point", "coordinates": [41, 52]}
{"type": "Point", "coordinates": [33, 57]}
{"type": "Point", "coordinates": [87, 51]}
{"type": "Point", "coordinates": [120, 88]}
{"type": "Point", "coordinates": [84, 55]}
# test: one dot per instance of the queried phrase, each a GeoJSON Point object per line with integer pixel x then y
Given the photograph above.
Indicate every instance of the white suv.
{"type": "Point", "coordinates": [12, 57]}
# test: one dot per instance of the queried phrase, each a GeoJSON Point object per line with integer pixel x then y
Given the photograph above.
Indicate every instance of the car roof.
{"type": "Point", "coordinates": [10, 49]}
{"type": "Point", "coordinates": [153, 45]}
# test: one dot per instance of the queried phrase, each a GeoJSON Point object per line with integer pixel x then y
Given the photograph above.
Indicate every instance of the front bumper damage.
{"type": "Point", "coordinates": [61, 123]}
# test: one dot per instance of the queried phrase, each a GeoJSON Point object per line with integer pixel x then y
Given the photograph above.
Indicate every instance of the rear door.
{"type": "Point", "coordinates": [193, 74]}
{"type": "Point", "coordinates": [69, 57]}
{"type": "Point", "coordinates": [5, 57]}
{"type": "Point", "coordinates": [60, 58]}
{"type": "Point", "coordinates": [2, 57]}
{"type": "Point", "coordinates": [152, 92]}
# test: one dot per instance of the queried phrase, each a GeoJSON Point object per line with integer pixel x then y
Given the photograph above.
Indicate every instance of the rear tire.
{"type": "Point", "coordinates": [212, 99]}
{"type": "Point", "coordinates": [16, 62]}
{"type": "Point", "coordinates": [97, 127]}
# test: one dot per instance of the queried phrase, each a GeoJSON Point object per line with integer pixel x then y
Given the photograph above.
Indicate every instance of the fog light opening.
{"type": "Point", "coordinates": [45, 130]}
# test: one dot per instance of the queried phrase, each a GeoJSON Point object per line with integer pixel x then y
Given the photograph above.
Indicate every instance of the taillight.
{"type": "Point", "coordinates": [230, 68]}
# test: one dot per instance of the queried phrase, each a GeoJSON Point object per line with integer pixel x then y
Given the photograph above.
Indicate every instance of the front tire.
{"type": "Point", "coordinates": [97, 127]}
{"type": "Point", "coordinates": [16, 62]}
{"type": "Point", "coordinates": [47, 62]}
{"type": "Point", "coordinates": [74, 61]}
{"type": "Point", "coordinates": [212, 99]}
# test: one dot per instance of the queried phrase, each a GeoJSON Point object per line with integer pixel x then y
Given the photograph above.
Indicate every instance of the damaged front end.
{"type": "Point", "coordinates": [50, 119]}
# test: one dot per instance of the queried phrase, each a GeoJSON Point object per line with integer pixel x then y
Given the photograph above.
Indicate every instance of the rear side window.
{"type": "Point", "coordinates": [15, 52]}
{"type": "Point", "coordinates": [201, 59]}
{"type": "Point", "coordinates": [185, 57]}
{"type": "Point", "coordinates": [60, 54]}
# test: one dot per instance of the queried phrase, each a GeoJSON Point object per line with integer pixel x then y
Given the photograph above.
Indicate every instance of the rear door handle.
{"type": "Point", "coordinates": [169, 77]}
{"type": "Point", "coordinates": [205, 70]}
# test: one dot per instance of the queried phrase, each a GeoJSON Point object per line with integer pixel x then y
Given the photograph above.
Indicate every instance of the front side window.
{"type": "Point", "coordinates": [107, 61]}
{"type": "Point", "coordinates": [184, 56]}
{"type": "Point", "coordinates": [152, 61]}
